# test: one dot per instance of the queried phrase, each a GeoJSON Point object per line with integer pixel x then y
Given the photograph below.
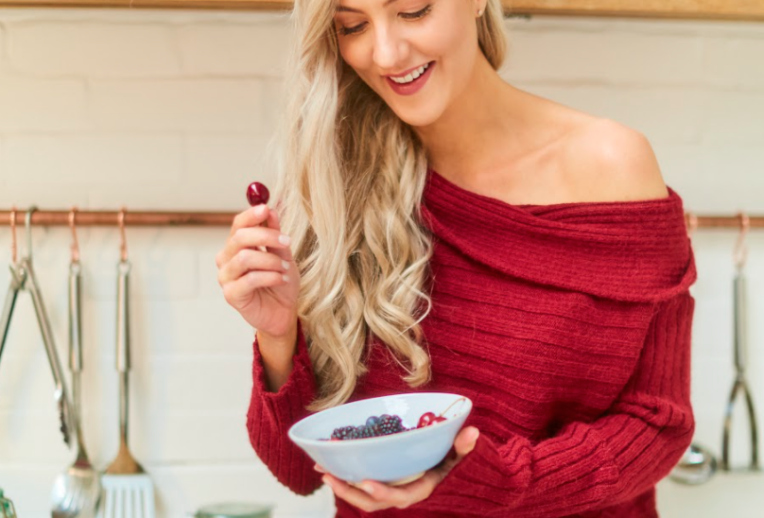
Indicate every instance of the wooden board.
{"type": "Point", "coordinates": [751, 10]}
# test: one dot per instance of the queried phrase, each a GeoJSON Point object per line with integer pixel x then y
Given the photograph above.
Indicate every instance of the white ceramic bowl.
{"type": "Point", "coordinates": [395, 458]}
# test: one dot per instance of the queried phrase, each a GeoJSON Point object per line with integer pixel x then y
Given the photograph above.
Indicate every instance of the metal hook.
{"type": "Point", "coordinates": [75, 243]}
{"type": "Point", "coordinates": [14, 243]}
{"type": "Point", "coordinates": [28, 225]}
{"type": "Point", "coordinates": [741, 252]}
{"type": "Point", "coordinates": [123, 239]}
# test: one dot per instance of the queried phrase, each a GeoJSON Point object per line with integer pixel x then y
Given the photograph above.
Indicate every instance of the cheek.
{"type": "Point", "coordinates": [355, 55]}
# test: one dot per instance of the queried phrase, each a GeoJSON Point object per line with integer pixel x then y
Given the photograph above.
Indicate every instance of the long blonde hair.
{"type": "Point", "coordinates": [350, 179]}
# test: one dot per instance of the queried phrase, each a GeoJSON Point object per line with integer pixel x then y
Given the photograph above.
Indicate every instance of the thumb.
{"type": "Point", "coordinates": [466, 440]}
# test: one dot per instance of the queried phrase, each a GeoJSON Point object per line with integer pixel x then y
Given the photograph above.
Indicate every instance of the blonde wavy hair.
{"type": "Point", "coordinates": [350, 179]}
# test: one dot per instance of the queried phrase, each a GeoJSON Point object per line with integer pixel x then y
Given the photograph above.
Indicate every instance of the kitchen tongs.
{"type": "Point", "coordinates": [23, 277]}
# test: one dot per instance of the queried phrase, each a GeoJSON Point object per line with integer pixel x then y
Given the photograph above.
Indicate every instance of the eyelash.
{"type": "Point", "coordinates": [347, 31]}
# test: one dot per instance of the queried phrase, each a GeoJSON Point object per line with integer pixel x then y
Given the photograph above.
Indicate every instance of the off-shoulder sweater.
{"type": "Point", "coordinates": [569, 327]}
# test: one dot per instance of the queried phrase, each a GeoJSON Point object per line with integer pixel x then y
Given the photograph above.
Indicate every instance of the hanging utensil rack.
{"type": "Point", "coordinates": [225, 219]}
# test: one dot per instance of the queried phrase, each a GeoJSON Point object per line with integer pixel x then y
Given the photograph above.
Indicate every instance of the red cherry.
{"type": "Point", "coordinates": [257, 194]}
{"type": "Point", "coordinates": [439, 419]}
{"type": "Point", "coordinates": [426, 420]}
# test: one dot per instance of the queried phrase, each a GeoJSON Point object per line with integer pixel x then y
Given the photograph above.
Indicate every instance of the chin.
{"type": "Point", "coordinates": [418, 118]}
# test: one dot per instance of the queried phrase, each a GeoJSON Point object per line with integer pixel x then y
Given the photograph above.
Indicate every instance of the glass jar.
{"type": "Point", "coordinates": [234, 510]}
{"type": "Point", "coordinates": [6, 507]}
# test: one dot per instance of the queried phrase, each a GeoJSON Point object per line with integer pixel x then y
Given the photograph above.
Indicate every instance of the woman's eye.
{"type": "Point", "coordinates": [346, 31]}
{"type": "Point", "coordinates": [418, 14]}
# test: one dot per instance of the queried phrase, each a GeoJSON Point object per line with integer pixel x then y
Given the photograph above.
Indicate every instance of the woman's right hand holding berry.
{"type": "Point", "coordinates": [258, 275]}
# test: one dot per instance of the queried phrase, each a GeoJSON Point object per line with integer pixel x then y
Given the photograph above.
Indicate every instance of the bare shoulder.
{"type": "Point", "coordinates": [608, 161]}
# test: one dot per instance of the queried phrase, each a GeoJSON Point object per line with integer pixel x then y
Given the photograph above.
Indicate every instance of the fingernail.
{"type": "Point", "coordinates": [259, 209]}
{"type": "Point", "coordinates": [285, 264]}
{"type": "Point", "coordinates": [285, 277]}
{"type": "Point", "coordinates": [284, 240]}
{"type": "Point", "coordinates": [368, 488]}
{"type": "Point", "coordinates": [327, 481]}
{"type": "Point", "coordinates": [475, 434]}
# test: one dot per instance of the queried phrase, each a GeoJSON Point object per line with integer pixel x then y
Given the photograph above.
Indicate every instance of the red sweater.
{"type": "Point", "coordinates": [568, 325]}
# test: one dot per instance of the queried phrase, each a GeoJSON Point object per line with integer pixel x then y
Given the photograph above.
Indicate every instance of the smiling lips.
{"type": "Point", "coordinates": [411, 82]}
{"type": "Point", "coordinates": [410, 75]}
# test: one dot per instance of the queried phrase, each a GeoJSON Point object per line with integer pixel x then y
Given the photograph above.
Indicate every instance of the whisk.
{"type": "Point", "coordinates": [740, 385]}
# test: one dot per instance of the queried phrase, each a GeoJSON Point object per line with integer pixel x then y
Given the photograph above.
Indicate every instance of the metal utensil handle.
{"type": "Point", "coordinates": [123, 345]}
{"type": "Point", "coordinates": [75, 352]}
{"type": "Point", "coordinates": [740, 385]}
{"type": "Point", "coordinates": [17, 281]}
{"type": "Point", "coordinates": [740, 335]}
{"type": "Point", "coordinates": [741, 360]}
{"type": "Point", "coordinates": [75, 319]}
{"type": "Point", "coordinates": [61, 394]}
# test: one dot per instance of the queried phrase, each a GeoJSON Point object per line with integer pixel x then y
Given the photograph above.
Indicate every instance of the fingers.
{"type": "Point", "coordinates": [252, 237]}
{"type": "Point", "coordinates": [247, 260]}
{"type": "Point", "coordinates": [465, 442]}
{"type": "Point", "coordinates": [273, 222]}
{"type": "Point", "coordinates": [352, 495]}
{"type": "Point", "coordinates": [371, 495]}
{"type": "Point", "coordinates": [251, 217]}
{"type": "Point", "coordinates": [238, 293]}
{"type": "Point", "coordinates": [256, 228]}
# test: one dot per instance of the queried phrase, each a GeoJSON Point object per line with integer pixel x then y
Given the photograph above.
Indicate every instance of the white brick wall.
{"type": "Point", "coordinates": [173, 110]}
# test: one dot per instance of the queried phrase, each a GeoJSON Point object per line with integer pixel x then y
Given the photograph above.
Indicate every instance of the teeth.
{"type": "Point", "coordinates": [410, 77]}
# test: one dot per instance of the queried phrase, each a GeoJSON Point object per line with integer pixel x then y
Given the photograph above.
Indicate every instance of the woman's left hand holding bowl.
{"type": "Point", "coordinates": [376, 496]}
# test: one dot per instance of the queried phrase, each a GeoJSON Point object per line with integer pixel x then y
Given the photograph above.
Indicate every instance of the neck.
{"type": "Point", "coordinates": [475, 126]}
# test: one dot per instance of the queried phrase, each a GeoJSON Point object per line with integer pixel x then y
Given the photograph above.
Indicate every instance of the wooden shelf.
{"type": "Point", "coordinates": [744, 10]}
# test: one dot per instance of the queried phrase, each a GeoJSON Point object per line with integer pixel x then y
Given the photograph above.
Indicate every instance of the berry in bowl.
{"type": "Point", "coordinates": [391, 439]}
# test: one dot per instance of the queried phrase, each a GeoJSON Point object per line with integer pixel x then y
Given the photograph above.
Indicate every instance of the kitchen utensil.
{"type": "Point", "coordinates": [128, 491]}
{"type": "Point", "coordinates": [696, 466]}
{"type": "Point", "coordinates": [18, 277]}
{"type": "Point", "coordinates": [23, 277]}
{"type": "Point", "coordinates": [76, 491]}
{"type": "Point", "coordinates": [740, 385]}
{"type": "Point", "coordinates": [6, 507]}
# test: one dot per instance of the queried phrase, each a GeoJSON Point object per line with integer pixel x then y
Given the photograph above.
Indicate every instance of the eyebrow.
{"type": "Point", "coordinates": [343, 9]}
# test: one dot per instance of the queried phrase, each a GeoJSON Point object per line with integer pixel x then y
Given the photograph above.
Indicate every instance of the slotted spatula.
{"type": "Point", "coordinates": [128, 491]}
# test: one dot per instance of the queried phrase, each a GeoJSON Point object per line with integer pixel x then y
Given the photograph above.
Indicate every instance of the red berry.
{"type": "Point", "coordinates": [426, 420]}
{"type": "Point", "coordinates": [257, 194]}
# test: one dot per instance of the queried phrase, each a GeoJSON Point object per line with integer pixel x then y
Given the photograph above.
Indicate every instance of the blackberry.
{"type": "Point", "coordinates": [389, 424]}
{"type": "Point", "coordinates": [374, 427]}
{"type": "Point", "coordinates": [343, 433]}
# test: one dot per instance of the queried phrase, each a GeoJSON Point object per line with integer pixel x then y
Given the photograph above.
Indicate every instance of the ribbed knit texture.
{"type": "Point", "coordinates": [568, 325]}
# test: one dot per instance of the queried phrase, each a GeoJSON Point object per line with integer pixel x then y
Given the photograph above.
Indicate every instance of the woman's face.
{"type": "Point", "coordinates": [384, 38]}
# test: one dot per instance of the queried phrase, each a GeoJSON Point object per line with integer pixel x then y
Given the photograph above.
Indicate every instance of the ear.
{"type": "Point", "coordinates": [479, 6]}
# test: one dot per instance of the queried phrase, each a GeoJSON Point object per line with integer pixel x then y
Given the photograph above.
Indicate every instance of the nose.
{"type": "Point", "coordinates": [389, 49]}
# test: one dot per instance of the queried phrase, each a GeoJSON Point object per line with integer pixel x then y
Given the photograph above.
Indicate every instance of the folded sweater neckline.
{"type": "Point", "coordinates": [444, 183]}
{"type": "Point", "coordinates": [634, 250]}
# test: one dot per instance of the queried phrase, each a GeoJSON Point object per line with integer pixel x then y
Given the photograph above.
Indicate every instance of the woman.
{"type": "Point", "coordinates": [441, 230]}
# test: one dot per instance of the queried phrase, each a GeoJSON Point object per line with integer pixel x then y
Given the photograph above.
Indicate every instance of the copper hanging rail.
{"type": "Point", "coordinates": [224, 219]}
{"type": "Point", "coordinates": [98, 218]}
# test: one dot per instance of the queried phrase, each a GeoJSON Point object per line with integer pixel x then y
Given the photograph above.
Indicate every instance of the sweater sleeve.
{"type": "Point", "coordinates": [271, 414]}
{"type": "Point", "coordinates": [590, 465]}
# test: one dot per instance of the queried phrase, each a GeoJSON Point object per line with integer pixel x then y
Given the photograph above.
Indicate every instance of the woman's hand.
{"type": "Point", "coordinates": [377, 496]}
{"type": "Point", "coordinates": [252, 268]}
